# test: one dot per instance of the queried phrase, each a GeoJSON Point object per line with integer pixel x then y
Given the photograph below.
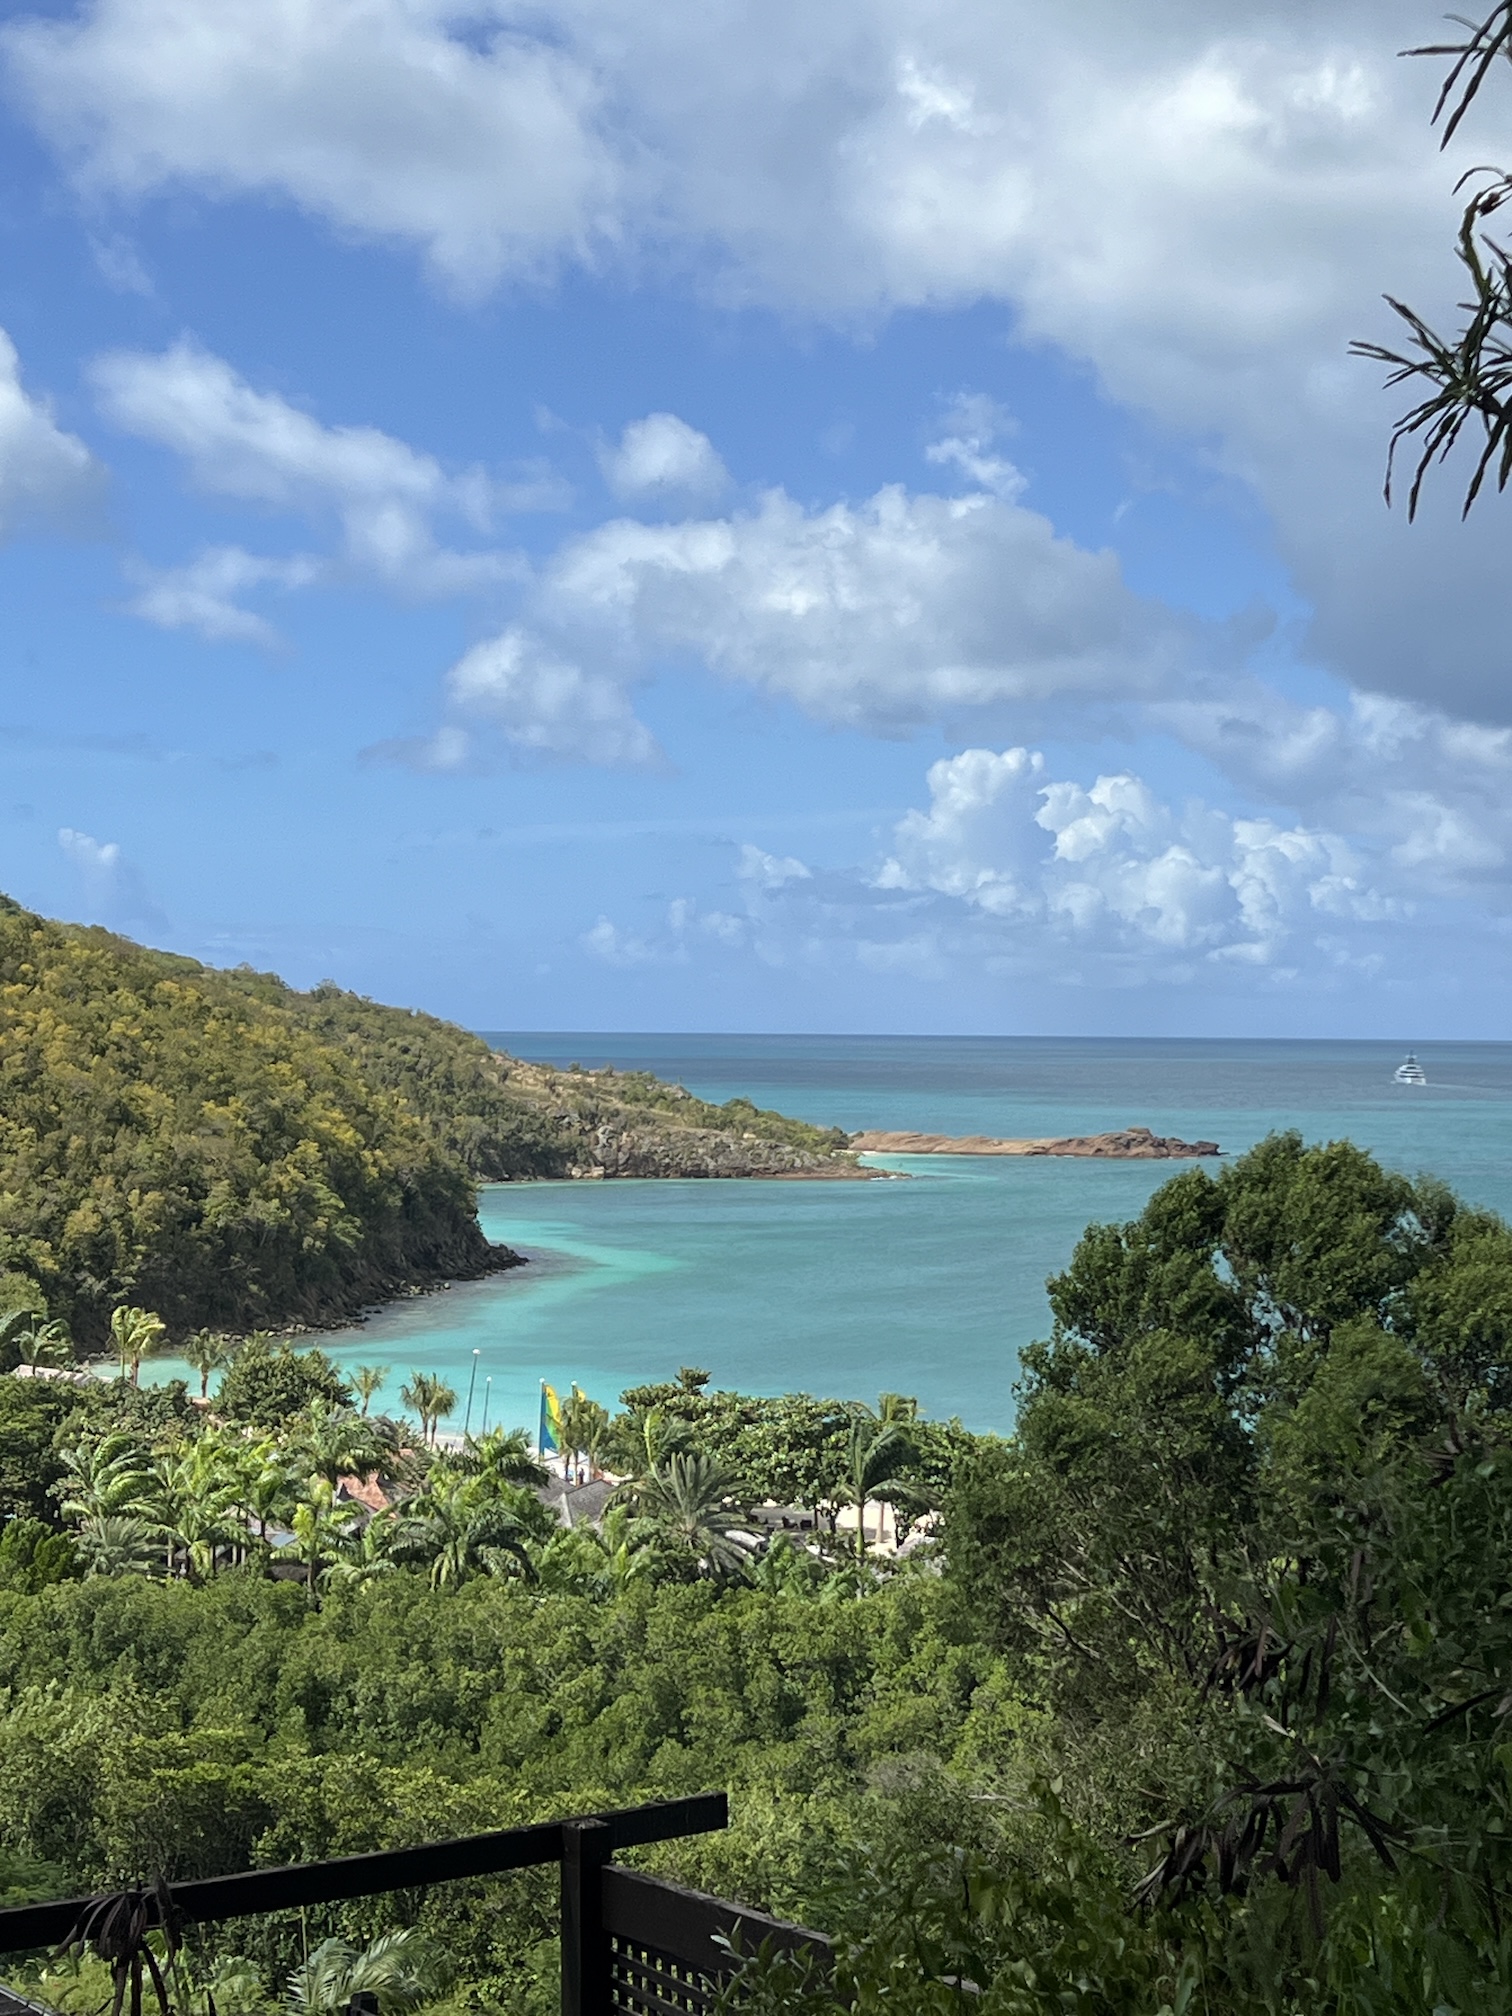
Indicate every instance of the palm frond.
{"type": "Point", "coordinates": [1470, 374]}
{"type": "Point", "coordinates": [1488, 39]}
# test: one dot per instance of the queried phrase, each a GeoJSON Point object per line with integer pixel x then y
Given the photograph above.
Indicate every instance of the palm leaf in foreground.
{"type": "Point", "coordinates": [402, 1969]}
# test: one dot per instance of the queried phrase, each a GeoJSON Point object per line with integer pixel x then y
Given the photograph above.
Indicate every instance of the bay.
{"type": "Point", "coordinates": [929, 1286]}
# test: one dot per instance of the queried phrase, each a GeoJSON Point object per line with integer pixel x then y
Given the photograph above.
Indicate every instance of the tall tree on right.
{"type": "Point", "coordinates": [1249, 1545]}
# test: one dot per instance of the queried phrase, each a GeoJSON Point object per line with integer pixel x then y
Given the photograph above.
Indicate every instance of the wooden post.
{"type": "Point", "coordinates": [586, 1847]}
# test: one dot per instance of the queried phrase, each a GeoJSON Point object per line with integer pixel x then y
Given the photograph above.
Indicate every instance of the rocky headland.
{"type": "Point", "coordinates": [617, 1148]}
{"type": "Point", "coordinates": [1127, 1144]}
{"type": "Point", "coordinates": [607, 1123]}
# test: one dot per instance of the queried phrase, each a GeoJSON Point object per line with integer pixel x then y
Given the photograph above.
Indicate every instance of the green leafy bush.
{"type": "Point", "coordinates": [268, 1383]}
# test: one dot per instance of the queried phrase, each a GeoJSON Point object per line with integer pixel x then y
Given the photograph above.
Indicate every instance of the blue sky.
{"type": "Point", "coordinates": [747, 517]}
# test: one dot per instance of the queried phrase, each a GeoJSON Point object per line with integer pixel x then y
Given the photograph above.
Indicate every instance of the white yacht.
{"type": "Point", "coordinates": [1410, 1072]}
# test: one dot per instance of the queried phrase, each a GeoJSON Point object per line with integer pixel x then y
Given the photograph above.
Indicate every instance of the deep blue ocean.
{"type": "Point", "coordinates": [930, 1286]}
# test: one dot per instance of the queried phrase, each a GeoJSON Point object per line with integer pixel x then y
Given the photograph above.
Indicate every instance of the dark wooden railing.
{"type": "Point", "coordinates": [632, 1944]}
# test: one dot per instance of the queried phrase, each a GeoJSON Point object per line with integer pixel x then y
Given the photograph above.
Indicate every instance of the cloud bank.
{"type": "Point", "coordinates": [1202, 208]}
{"type": "Point", "coordinates": [1011, 871]}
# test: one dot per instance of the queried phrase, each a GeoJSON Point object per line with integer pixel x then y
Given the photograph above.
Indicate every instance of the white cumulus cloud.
{"type": "Point", "coordinates": [771, 871]}
{"type": "Point", "coordinates": [205, 595]}
{"type": "Point", "coordinates": [1202, 205]}
{"type": "Point", "coordinates": [90, 856]}
{"type": "Point", "coordinates": [48, 479]}
{"type": "Point", "coordinates": [973, 424]}
{"type": "Point", "coordinates": [881, 615]}
{"type": "Point", "coordinates": [114, 891]}
{"type": "Point", "coordinates": [1109, 868]}
{"type": "Point", "coordinates": [383, 495]}
{"type": "Point", "coordinates": [662, 456]}
{"type": "Point", "coordinates": [513, 687]}
{"type": "Point", "coordinates": [673, 942]}
{"type": "Point", "coordinates": [1431, 793]}
{"type": "Point", "coordinates": [608, 942]}
{"type": "Point", "coordinates": [449, 127]}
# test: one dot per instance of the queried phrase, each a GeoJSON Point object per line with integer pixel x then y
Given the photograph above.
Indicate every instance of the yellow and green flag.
{"type": "Point", "coordinates": [549, 1440]}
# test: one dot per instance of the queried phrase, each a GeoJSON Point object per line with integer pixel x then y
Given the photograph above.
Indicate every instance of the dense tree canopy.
{"type": "Point", "coordinates": [1250, 1548]}
{"type": "Point", "coordinates": [170, 1137]}
{"type": "Point", "coordinates": [1198, 1703]}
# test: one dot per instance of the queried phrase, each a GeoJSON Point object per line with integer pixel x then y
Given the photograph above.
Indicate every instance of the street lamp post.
{"type": "Point", "coordinates": [472, 1381]}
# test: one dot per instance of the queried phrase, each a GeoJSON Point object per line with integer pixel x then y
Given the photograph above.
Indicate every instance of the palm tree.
{"type": "Point", "coordinates": [690, 1501]}
{"type": "Point", "coordinates": [462, 1525]}
{"type": "Point", "coordinates": [199, 1495]}
{"type": "Point", "coordinates": [267, 1486]}
{"type": "Point", "coordinates": [431, 1398]}
{"type": "Point", "coordinates": [901, 1408]}
{"type": "Point", "coordinates": [503, 1456]}
{"type": "Point", "coordinates": [585, 1427]}
{"type": "Point", "coordinates": [600, 1561]}
{"type": "Point", "coordinates": [135, 1331]}
{"type": "Point", "coordinates": [878, 1453]}
{"type": "Point", "coordinates": [33, 1340]}
{"type": "Point", "coordinates": [402, 1969]}
{"type": "Point", "coordinates": [15, 1325]}
{"type": "Point", "coordinates": [51, 1343]}
{"type": "Point", "coordinates": [786, 1567]}
{"type": "Point", "coordinates": [368, 1379]}
{"type": "Point", "coordinates": [207, 1352]}
{"type": "Point", "coordinates": [641, 1441]}
{"type": "Point", "coordinates": [367, 1552]}
{"type": "Point", "coordinates": [105, 1479]}
{"type": "Point", "coordinates": [234, 1466]}
{"type": "Point", "coordinates": [320, 1523]}
{"type": "Point", "coordinates": [333, 1442]}
{"type": "Point", "coordinates": [114, 1543]}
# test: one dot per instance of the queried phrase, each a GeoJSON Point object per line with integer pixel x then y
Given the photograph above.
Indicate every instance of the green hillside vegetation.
{"type": "Point", "coordinates": [174, 1138]}
{"type": "Point", "coordinates": [234, 1154]}
{"type": "Point", "coordinates": [450, 1078]}
{"type": "Point", "coordinates": [641, 1095]}
{"type": "Point", "coordinates": [505, 1118]}
{"type": "Point", "coordinates": [1196, 1701]}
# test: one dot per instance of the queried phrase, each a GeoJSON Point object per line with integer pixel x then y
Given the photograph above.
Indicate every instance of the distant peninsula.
{"type": "Point", "coordinates": [1127, 1144]}
{"type": "Point", "coordinates": [236, 1154]}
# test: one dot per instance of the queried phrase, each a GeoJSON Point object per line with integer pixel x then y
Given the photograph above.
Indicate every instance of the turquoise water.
{"type": "Point", "coordinates": [928, 1286]}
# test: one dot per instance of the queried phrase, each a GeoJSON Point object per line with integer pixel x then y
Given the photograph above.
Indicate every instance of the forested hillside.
{"type": "Point", "coordinates": [228, 1152]}
{"type": "Point", "coordinates": [1197, 1701]}
{"type": "Point", "coordinates": [504, 1117]}
{"type": "Point", "coordinates": [173, 1138]}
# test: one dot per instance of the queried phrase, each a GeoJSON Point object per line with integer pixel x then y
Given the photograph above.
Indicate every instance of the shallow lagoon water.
{"type": "Point", "coordinates": [928, 1286]}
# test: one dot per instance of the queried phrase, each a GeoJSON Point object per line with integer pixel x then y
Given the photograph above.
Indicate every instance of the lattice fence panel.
{"type": "Point", "coordinates": [647, 1982]}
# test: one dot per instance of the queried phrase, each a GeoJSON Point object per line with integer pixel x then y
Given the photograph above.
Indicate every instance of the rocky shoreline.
{"type": "Point", "coordinates": [1126, 1144]}
{"type": "Point", "coordinates": [601, 1124]}
{"type": "Point", "coordinates": [613, 1149]}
